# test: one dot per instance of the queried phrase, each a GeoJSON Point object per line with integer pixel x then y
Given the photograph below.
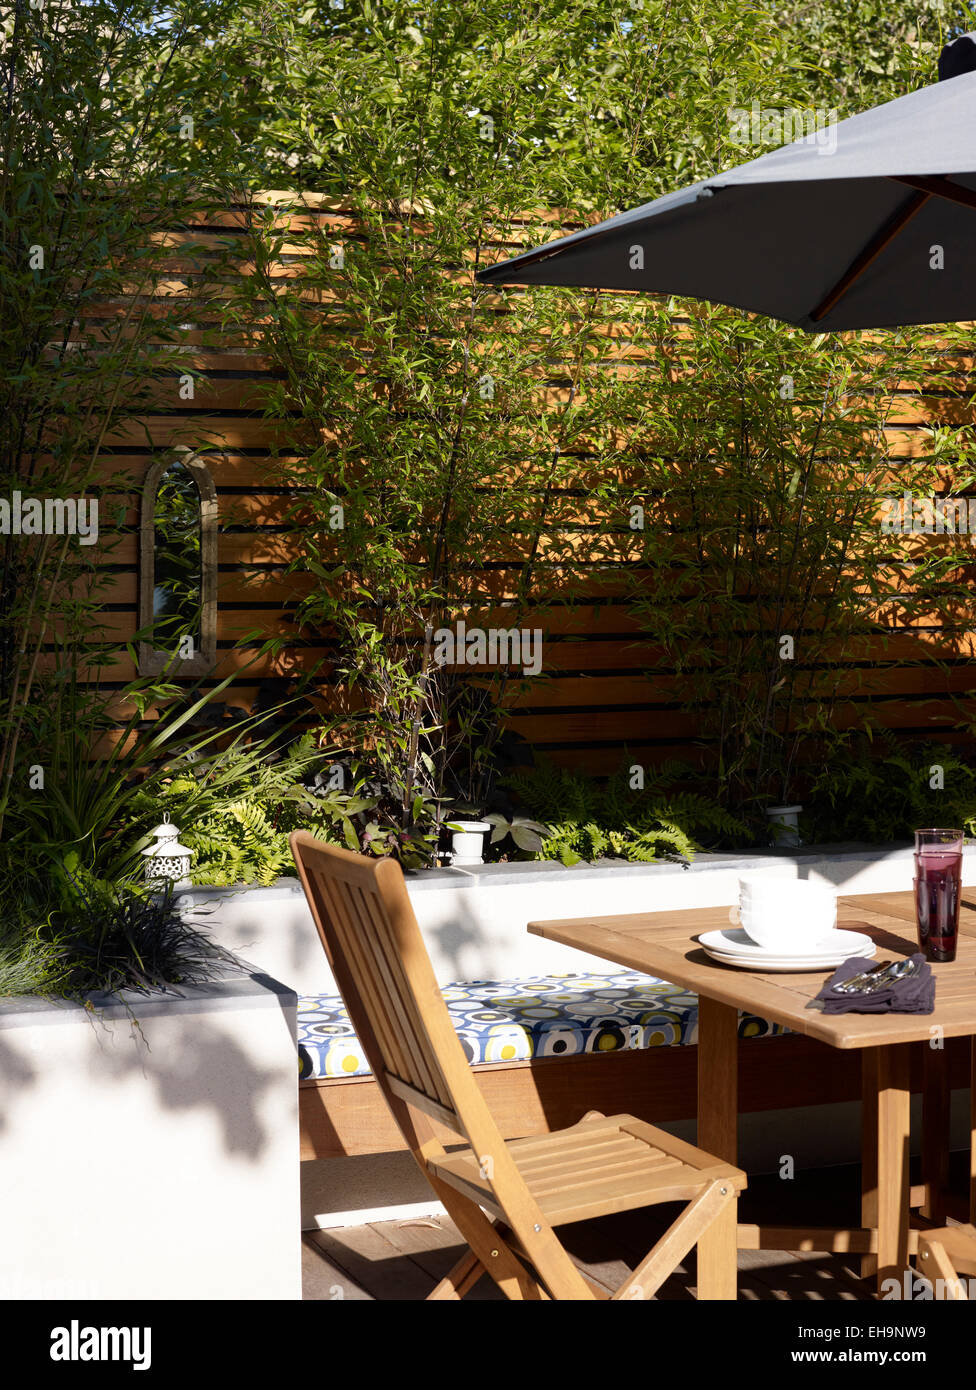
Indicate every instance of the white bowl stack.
{"type": "Point", "coordinates": [786, 915]}
{"type": "Point", "coordinates": [785, 924]}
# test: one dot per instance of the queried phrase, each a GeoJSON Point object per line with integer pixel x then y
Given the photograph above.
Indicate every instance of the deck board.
{"type": "Point", "coordinates": [324, 1281]}
{"type": "Point", "coordinates": [403, 1260]}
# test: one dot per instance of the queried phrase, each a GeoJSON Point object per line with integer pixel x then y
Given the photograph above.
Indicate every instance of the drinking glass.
{"type": "Point", "coordinates": [938, 880]}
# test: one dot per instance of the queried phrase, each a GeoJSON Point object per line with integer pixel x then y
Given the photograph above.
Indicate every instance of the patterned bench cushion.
{"type": "Point", "coordinates": [538, 1016]}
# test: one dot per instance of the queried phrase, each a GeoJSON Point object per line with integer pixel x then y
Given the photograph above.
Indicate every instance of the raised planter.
{"type": "Point", "coordinates": [150, 1149]}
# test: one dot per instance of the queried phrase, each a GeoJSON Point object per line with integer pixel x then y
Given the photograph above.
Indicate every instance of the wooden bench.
{"type": "Point", "coordinates": [348, 1115]}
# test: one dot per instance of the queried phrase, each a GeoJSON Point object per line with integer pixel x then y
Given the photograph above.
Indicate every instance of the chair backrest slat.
{"type": "Point", "coordinates": [408, 1015]}
{"type": "Point", "coordinates": [351, 942]}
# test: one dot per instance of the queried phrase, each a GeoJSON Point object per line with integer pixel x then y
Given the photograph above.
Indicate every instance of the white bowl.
{"type": "Point", "coordinates": [791, 916]}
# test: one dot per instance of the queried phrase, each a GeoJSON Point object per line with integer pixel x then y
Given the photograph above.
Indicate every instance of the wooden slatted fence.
{"type": "Point", "coordinates": [608, 692]}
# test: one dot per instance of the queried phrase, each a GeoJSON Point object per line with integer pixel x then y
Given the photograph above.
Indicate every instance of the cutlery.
{"type": "Point", "coordinates": [885, 978]}
{"type": "Point", "coordinates": [849, 986]}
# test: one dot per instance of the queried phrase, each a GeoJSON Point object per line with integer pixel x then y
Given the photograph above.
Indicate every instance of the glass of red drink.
{"type": "Point", "coordinates": [938, 887]}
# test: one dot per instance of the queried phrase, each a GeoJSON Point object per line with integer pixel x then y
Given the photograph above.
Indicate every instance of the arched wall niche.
{"type": "Point", "coordinates": [178, 566]}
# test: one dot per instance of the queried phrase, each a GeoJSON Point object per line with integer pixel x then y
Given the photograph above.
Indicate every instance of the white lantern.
{"type": "Point", "coordinates": [167, 859]}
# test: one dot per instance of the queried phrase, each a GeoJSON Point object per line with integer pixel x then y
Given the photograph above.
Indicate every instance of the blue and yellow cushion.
{"type": "Point", "coordinates": [538, 1016]}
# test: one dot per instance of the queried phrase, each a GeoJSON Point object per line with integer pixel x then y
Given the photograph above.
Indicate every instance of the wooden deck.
{"type": "Point", "coordinates": [405, 1259]}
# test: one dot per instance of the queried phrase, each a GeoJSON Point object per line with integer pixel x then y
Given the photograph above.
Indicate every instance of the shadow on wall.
{"type": "Point", "coordinates": [16, 1075]}
{"type": "Point", "coordinates": [461, 940]}
{"type": "Point", "coordinates": [247, 922]}
{"type": "Point", "coordinates": [191, 1058]}
{"type": "Point", "coordinates": [894, 862]}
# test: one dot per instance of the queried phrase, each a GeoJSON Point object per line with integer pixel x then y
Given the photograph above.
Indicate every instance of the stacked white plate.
{"type": "Point", "coordinates": [732, 946]}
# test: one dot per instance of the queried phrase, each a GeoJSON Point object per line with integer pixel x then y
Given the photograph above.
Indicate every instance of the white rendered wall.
{"type": "Point", "coordinates": [474, 921]}
{"type": "Point", "coordinates": [166, 1172]}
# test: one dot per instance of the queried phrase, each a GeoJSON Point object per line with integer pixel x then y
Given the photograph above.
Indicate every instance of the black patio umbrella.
{"type": "Point", "coordinates": [874, 229]}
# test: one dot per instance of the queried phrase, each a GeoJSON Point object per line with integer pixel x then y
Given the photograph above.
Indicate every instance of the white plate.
{"type": "Point", "coordinates": [772, 964]}
{"type": "Point", "coordinates": [735, 941]}
{"type": "Point", "coordinates": [733, 947]}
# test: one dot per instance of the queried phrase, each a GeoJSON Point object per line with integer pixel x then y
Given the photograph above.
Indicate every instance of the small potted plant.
{"type": "Point", "coordinates": [784, 826]}
{"type": "Point", "coordinates": [467, 842]}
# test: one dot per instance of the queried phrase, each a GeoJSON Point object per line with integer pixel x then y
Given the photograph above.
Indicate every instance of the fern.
{"type": "Point", "coordinates": [585, 820]}
{"type": "Point", "coordinates": [872, 788]}
{"type": "Point", "coordinates": [236, 812]}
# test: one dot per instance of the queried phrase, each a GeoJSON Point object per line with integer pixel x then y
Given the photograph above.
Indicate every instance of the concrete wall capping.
{"type": "Point", "coordinates": [235, 992]}
{"type": "Point", "coordinates": [805, 857]}
{"type": "Point", "coordinates": [432, 880]}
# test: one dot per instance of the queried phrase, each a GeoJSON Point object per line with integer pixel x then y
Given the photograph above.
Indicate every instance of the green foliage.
{"type": "Point", "coordinates": [880, 789]}
{"type": "Point", "coordinates": [584, 820]}
{"type": "Point", "coordinates": [440, 129]}
{"type": "Point", "coordinates": [237, 806]}
{"type": "Point", "coordinates": [24, 967]}
{"type": "Point", "coordinates": [89, 192]}
{"type": "Point", "coordinates": [235, 810]}
{"type": "Point", "coordinates": [592, 107]}
{"type": "Point", "coordinates": [113, 939]}
{"type": "Point", "coordinates": [766, 459]}
{"type": "Point", "coordinates": [866, 52]}
{"type": "Point", "coordinates": [422, 496]}
{"type": "Point", "coordinates": [525, 834]}
{"type": "Point", "coordinates": [434, 444]}
{"type": "Point", "coordinates": [93, 779]}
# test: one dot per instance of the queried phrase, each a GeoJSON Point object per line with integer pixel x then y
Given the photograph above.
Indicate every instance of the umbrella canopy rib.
{"type": "Point", "coordinates": [882, 238]}
{"type": "Point", "coordinates": [941, 188]}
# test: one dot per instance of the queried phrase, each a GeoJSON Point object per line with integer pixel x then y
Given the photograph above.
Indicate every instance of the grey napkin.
{"type": "Point", "coordinates": [914, 995]}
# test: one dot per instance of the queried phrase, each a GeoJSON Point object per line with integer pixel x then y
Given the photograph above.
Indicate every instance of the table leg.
{"type": "Point", "coordinates": [935, 1132]}
{"type": "Point", "coordinates": [869, 1152]}
{"type": "Point", "coordinates": [894, 1120]}
{"type": "Point", "coordinates": [972, 1132]}
{"type": "Point", "coordinates": [718, 1105]}
{"type": "Point", "coordinates": [718, 1079]}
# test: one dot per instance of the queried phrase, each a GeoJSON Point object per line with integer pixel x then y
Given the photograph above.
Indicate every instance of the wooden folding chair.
{"type": "Point", "coordinates": [944, 1256]}
{"type": "Point", "coordinates": [505, 1198]}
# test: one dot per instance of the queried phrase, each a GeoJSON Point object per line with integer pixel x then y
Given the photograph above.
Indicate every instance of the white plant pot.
{"type": "Point", "coordinates": [784, 826]}
{"type": "Point", "coordinates": [467, 845]}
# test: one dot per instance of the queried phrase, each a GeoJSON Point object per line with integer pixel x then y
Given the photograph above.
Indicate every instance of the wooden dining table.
{"type": "Point", "coordinates": [665, 945]}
